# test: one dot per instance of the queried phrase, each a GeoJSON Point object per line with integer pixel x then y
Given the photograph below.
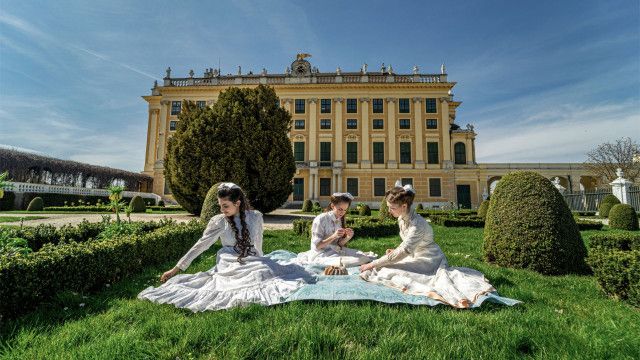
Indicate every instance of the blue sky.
{"type": "Point", "coordinates": [541, 81]}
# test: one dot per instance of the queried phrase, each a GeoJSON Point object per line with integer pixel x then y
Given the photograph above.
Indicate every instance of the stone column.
{"type": "Point", "coordinates": [392, 159]}
{"type": "Point", "coordinates": [313, 133]}
{"type": "Point", "coordinates": [446, 136]}
{"type": "Point", "coordinates": [417, 120]}
{"type": "Point", "coordinates": [365, 163]}
{"type": "Point", "coordinates": [152, 136]}
{"type": "Point", "coordinates": [620, 187]}
{"type": "Point", "coordinates": [339, 183]}
{"type": "Point", "coordinates": [339, 140]}
{"type": "Point", "coordinates": [162, 132]}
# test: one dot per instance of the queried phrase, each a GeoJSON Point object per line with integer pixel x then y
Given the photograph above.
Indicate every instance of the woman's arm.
{"type": "Point", "coordinates": [415, 234]}
{"type": "Point", "coordinates": [258, 229]}
{"type": "Point", "coordinates": [214, 229]}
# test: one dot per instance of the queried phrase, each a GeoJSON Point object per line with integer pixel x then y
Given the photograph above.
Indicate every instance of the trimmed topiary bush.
{"type": "Point", "coordinates": [482, 210]}
{"type": "Point", "coordinates": [606, 205]}
{"type": "Point", "coordinates": [137, 204]}
{"type": "Point", "coordinates": [307, 206]}
{"type": "Point", "coordinates": [623, 216]}
{"type": "Point", "coordinates": [364, 210]}
{"type": "Point", "coordinates": [210, 206]}
{"type": "Point", "coordinates": [420, 207]}
{"type": "Point", "coordinates": [384, 210]}
{"type": "Point", "coordinates": [161, 203]}
{"type": "Point", "coordinates": [529, 225]}
{"type": "Point", "coordinates": [36, 204]}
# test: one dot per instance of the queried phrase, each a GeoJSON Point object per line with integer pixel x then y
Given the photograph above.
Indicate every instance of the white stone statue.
{"type": "Point", "coordinates": [443, 69]}
{"type": "Point", "coordinates": [364, 68]}
{"type": "Point", "coordinates": [239, 70]}
{"type": "Point", "coordinates": [191, 73]}
{"type": "Point", "coordinates": [415, 69]}
{"type": "Point", "coordinates": [168, 72]}
{"type": "Point", "coordinates": [390, 69]}
{"type": "Point", "coordinates": [338, 71]}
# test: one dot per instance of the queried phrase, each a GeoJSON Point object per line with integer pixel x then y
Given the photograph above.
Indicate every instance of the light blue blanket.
{"type": "Point", "coordinates": [352, 287]}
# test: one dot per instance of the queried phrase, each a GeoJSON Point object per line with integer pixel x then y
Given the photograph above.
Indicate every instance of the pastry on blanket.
{"type": "Point", "coordinates": [336, 270]}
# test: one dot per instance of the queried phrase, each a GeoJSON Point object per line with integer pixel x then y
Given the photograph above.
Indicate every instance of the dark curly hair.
{"type": "Point", "coordinates": [243, 242]}
{"type": "Point", "coordinates": [399, 196]}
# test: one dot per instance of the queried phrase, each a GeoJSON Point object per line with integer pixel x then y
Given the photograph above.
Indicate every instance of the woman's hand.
{"type": "Point", "coordinates": [349, 233]}
{"type": "Point", "coordinates": [169, 274]}
{"type": "Point", "coordinates": [339, 233]}
{"type": "Point", "coordinates": [389, 251]}
{"type": "Point", "coordinates": [365, 267]}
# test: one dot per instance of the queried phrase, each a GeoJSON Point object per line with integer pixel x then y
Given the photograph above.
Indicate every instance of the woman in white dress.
{"type": "Point", "coordinates": [241, 275]}
{"type": "Point", "coordinates": [418, 266]}
{"type": "Point", "coordinates": [329, 237]}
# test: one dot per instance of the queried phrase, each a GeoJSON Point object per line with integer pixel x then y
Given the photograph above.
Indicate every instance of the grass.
{"type": "Point", "coordinates": [561, 317]}
{"type": "Point", "coordinates": [148, 211]}
{"type": "Point", "coordinates": [4, 219]}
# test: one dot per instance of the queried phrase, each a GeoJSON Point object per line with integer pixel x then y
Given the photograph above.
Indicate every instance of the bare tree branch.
{"type": "Point", "coordinates": [607, 157]}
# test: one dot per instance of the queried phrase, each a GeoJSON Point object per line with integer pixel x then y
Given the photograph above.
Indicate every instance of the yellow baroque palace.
{"type": "Point", "coordinates": [359, 132]}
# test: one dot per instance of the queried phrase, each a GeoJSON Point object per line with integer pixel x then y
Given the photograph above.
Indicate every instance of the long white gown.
{"type": "Point", "coordinates": [229, 283]}
{"type": "Point", "coordinates": [419, 267]}
{"type": "Point", "coordinates": [323, 226]}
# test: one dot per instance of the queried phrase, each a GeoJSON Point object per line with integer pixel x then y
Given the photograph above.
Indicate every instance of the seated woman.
{"type": "Point", "coordinates": [418, 266]}
{"type": "Point", "coordinates": [241, 275]}
{"type": "Point", "coordinates": [329, 237]}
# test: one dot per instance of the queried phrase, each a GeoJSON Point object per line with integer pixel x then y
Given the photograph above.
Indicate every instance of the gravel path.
{"type": "Point", "coordinates": [276, 220]}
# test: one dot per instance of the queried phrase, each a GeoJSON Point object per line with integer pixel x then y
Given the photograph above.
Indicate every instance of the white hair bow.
{"type": "Point", "coordinates": [407, 188]}
{"type": "Point", "coordinates": [345, 194]}
{"type": "Point", "coordinates": [228, 185]}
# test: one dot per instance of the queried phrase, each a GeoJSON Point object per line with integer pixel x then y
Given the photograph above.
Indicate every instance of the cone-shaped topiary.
{"type": "Point", "coordinates": [36, 204]}
{"type": "Point", "coordinates": [529, 225]}
{"type": "Point", "coordinates": [210, 206]}
{"type": "Point", "coordinates": [606, 205]}
{"type": "Point", "coordinates": [420, 207]}
{"type": "Point", "coordinates": [482, 210]}
{"type": "Point", "coordinates": [161, 203]}
{"type": "Point", "coordinates": [384, 210]}
{"type": "Point", "coordinates": [307, 206]}
{"type": "Point", "coordinates": [364, 210]}
{"type": "Point", "coordinates": [137, 204]}
{"type": "Point", "coordinates": [242, 138]}
{"type": "Point", "coordinates": [623, 216]}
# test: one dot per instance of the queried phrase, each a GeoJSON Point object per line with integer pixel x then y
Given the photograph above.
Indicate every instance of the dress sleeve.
{"type": "Point", "coordinates": [258, 228]}
{"type": "Point", "coordinates": [317, 232]}
{"type": "Point", "coordinates": [214, 229]}
{"type": "Point", "coordinates": [415, 234]}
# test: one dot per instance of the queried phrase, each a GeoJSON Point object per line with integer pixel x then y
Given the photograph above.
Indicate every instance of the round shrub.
{"type": "Point", "coordinates": [384, 210]}
{"type": "Point", "coordinates": [161, 203]}
{"type": "Point", "coordinates": [364, 210]}
{"type": "Point", "coordinates": [623, 216]}
{"type": "Point", "coordinates": [307, 206]}
{"type": "Point", "coordinates": [529, 226]}
{"type": "Point", "coordinates": [482, 210]}
{"type": "Point", "coordinates": [210, 206]}
{"type": "Point", "coordinates": [606, 205]}
{"type": "Point", "coordinates": [137, 204]}
{"type": "Point", "coordinates": [37, 204]}
{"type": "Point", "coordinates": [419, 207]}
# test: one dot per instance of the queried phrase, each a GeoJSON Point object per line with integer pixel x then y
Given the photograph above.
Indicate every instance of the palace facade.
{"type": "Point", "coordinates": [358, 132]}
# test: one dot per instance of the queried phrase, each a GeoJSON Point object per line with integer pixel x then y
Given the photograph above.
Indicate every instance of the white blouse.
{"type": "Point", "coordinates": [417, 240]}
{"type": "Point", "coordinates": [219, 227]}
{"type": "Point", "coordinates": [323, 226]}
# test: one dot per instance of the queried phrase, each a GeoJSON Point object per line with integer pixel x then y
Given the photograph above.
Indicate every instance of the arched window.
{"type": "Point", "coordinates": [461, 153]}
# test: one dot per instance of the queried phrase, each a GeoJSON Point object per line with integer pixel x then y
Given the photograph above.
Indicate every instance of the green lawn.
{"type": "Point", "coordinates": [149, 211]}
{"type": "Point", "coordinates": [562, 317]}
{"type": "Point", "coordinates": [4, 219]}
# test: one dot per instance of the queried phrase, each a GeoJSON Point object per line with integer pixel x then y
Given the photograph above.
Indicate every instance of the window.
{"type": "Point", "coordinates": [352, 124]}
{"type": "Point", "coordinates": [403, 106]}
{"type": "Point", "coordinates": [352, 152]}
{"type": "Point", "coordinates": [407, 181]}
{"type": "Point", "coordinates": [405, 123]}
{"type": "Point", "coordinates": [432, 153]}
{"type": "Point", "coordinates": [298, 150]}
{"type": "Point", "coordinates": [432, 123]}
{"type": "Point", "coordinates": [431, 105]}
{"type": "Point", "coordinates": [378, 124]}
{"type": "Point", "coordinates": [298, 189]}
{"type": "Point", "coordinates": [175, 107]}
{"type": "Point", "coordinates": [461, 153]}
{"type": "Point", "coordinates": [377, 106]}
{"type": "Point", "coordinates": [173, 125]}
{"type": "Point", "coordinates": [352, 106]}
{"type": "Point", "coordinates": [405, 152]}
{"type": "Point", "coordinates": [325, 106]}
{"type": "Point", "coordinates": [201, 104]}
{"type": "Point", "coordinates": [300, 106]}
{"type": "Point", "coordinates": [325, 153]}
{"type": "Point", "coordinates": [378, 152]}
{"type": "Point", "coordinates": [379, 187]}
{"type": "Point", "coordinates": [325, 186]}
{"type": "Point", "coordinates": [352, 186]}
{"type": "Point", "coordinates": [434, 188]}
{"type": "Point", "coordinates": [299, 124]}
{"type": "Point", "coordinates": [325, 124]}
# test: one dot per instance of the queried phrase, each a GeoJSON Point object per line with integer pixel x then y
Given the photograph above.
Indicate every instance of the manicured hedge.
{"type": "Point", "coordinates": [584, 213]}
{"type": "Point", "coordinates": [6, 203]}
{"type": "Point", "coordinates": [615, 260]}
{"type": "Point", "coordinates": [90, 208]}
{"type": "Point", "coordinates": [362, 227]}
{"type": "Point", "coordinates": [430, 213]}
{"type": "Point", "coordinates": [28, 280]}
{"type": "Point", "coordinates": [474, 222]}
{"type": "Point", "coordinates": [59, 199]}
{"type": "Point", "coordinates": [588, 225]}
{"type": "Point", "coordinates": [166, 208]}
{"type": "Point", "coordinates": [623, 216]}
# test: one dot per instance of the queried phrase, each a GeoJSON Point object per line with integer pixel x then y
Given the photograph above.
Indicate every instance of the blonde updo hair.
{"type": "Point", "coordinates": [399, 196]}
